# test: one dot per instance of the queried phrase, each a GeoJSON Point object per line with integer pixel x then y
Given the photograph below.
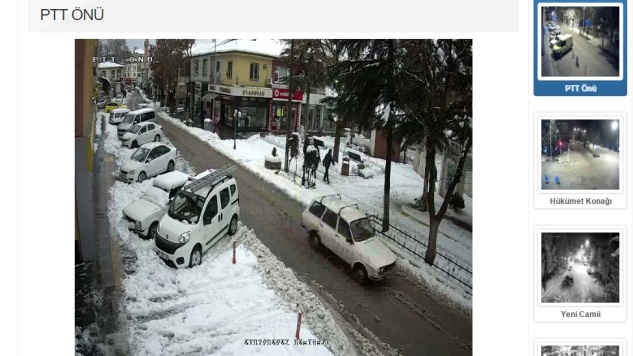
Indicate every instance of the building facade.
{"type": "Point", "coordinates": [85, 120]}
{"type": "Point", "coordinates": [114, 74]}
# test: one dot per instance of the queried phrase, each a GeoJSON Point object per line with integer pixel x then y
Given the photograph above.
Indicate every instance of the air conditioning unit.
{"type": "Point", "coordinates": [269, 81]}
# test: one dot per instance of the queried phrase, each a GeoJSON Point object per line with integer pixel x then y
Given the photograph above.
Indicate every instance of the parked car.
{"type": "Point", "coordinates": [101, 103]}
{"type": "Point", "coordinates": [347, 232]}
{"type": "Point", "coordinates": [568, 281]}
{"type": "Point", "coordinates": [144, 215]}
{"type": "Point", "coordinates": [133, 118]}
{"type": "Point", "coordinates": [147, 161]}
{"type": "Point", "coordinates": [200, 214]}
{"type": "Point", "coordinates": [113, 105]}
{"type": "Point", "coordinates": [141, 134]}
{"type": "Point", "coordinates": [117, 115]}
{"type": "Point", "coordinates": [565, 43]}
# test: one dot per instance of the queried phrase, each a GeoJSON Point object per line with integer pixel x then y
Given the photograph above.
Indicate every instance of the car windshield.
{"type": "Point", "coordinates": [186, 206]}
{"type": "Point", "coordinates": [140, 154]}
{"type": "Point", "coordinates": [361, 229]}
{"type": "Point", "coordinates": [134, 129]}
{"type": "Point", "coordinates": [560, 43]}
{"type": "Point", "coordinates": [129, 118]}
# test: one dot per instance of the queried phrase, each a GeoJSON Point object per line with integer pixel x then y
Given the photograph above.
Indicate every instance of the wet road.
{"type": "Point", "coordinates": [398, 311]}
{"type": "Point", "coordinates": [592, 61]}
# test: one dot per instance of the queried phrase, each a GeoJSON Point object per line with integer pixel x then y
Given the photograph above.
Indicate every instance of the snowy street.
{"type": "Point", "coordinates": [397, 302]}
{"type": "Point", "coordinates": [585, 289]}
{"type": "Point", "coordinates": [210, 309]}
{"type": "Point", "coordinates": [583, 171]}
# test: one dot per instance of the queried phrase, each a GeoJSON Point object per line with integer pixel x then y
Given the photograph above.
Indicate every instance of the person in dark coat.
{"type": "Point", "coordinates": [327, 161]}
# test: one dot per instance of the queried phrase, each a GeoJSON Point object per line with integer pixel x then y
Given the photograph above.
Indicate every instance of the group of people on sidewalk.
{"type": "Point", "coordinates": [327, 160]}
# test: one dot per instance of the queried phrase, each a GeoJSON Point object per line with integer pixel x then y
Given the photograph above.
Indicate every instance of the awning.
{"type": "Point", "coordinates": [208, 97]}
{"type": "Point", "coordinates": [104, 80]}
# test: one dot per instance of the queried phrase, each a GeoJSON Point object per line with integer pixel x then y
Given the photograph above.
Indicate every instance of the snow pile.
{"type": "Point", "coordinates": [204, 135]}
{"type": "Point", "coordinates": [271, 159]}
{"type": "Point", "coordinates": [366, 173]}
{"type": "Point", "coordinates": [98, 125]}
{"type": "Point", "coordinates": [211, 309]}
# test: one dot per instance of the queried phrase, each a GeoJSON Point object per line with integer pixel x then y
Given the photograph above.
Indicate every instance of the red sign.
{"type": "Point", "coordinates": [281, 93]}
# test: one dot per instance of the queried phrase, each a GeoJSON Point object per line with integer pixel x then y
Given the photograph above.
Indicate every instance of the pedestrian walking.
{"type": "Point", "coordinates": [327, 161]}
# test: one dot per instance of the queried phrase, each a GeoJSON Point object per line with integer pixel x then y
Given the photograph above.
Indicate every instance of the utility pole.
{"type": "Point", "coordinates": [290, 92]}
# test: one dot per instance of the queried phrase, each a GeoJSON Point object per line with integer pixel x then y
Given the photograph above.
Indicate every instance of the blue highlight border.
{"type": "Point", "coordinates": [557, 87]}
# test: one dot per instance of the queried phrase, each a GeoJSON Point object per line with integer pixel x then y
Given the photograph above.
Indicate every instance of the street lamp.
{"type": "Point", "coordinates": [237, 115]}
{"type": "Point", "coordinates": [587, 243]}
{"type": "Point", "coordinates": [614, 125]}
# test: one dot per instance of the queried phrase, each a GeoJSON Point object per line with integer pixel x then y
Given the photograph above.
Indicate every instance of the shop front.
{"type": "Point", "coordinates": [278, 111]}
{"type": "Point", "coordinates": [243, 109]}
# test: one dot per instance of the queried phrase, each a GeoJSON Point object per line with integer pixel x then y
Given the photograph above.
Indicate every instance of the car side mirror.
{"type": "Point", "coordinates": [149, 159]}
{"type": "Point", "coordinates": [207, 220]}
{"type": "Point", "coordinates": [349, 240]}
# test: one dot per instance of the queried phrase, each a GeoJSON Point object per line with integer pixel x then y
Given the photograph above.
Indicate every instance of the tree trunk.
{"type": "Point", "coordinates": [389, 126]}
{"type": "Point", "coordinates": [289, 113]}
{"type": "Point", "coordinates": [429, 257]}
{"type": "Point", "coordinates": [423, 200]}
{"type": "Point", "coordinates": [337, 139]}
{"type": "Point", "coordinates": [307, 108]}
{"type": "Point", "coordinates": [431, 250]}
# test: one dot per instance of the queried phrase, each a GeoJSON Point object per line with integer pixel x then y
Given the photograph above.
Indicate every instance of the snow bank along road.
{"type": "Point", "coordinates": [398, 311]}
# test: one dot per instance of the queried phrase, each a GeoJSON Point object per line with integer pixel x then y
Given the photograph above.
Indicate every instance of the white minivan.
{"type": "Point", "coordinates": [200, 214]}
{"type": "Point", "coordinates": [135, 117]}
{"type": "Point", "coordinates": [117, 115]}
{"type": "Point", "coordinates": [346, 231]}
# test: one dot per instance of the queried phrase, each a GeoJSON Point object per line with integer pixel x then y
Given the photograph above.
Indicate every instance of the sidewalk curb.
{"type": "Point", "coordinates": [405, 211]}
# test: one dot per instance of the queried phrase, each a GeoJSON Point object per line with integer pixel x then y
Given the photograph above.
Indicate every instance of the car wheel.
{"type": "Point", "coordinates": [157, 138]}
{"type": "Point", "coordinates": [360, 274]}
{"type": "Point", "coordinates": [152, 231]}
{"type": "Point", "coordinates": [233, 226]}
{"type": "Point", "coordinates": [315, 240]}
{"type": "Point", "coordinates": [196, 256]}
{"type": "Point", "coordinates": [170, 166]}
{"type": "Point", "coordinates": [134, 144]}
{"type": "Point", "coordinates": [141, 177]}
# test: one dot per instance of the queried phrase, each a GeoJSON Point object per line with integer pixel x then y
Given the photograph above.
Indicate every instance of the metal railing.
{"type": "Point", "coordinates": [457, 272]}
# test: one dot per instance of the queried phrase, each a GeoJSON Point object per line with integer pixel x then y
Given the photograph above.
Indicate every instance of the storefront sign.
{"type": "Point", "coordinates": [253, 92]}
{"type": "Point", "coordinates": [225, 90]}
{"type": "Point", "coordinates": [212, 88]}
{"type": "Point", "coordinates": [282, 94]}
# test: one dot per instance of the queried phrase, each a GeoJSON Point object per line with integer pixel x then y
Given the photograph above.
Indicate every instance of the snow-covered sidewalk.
{"type": "Point", "coordinates": [406, 185]}
{"type": "Point", "coordinates": [215, 307]}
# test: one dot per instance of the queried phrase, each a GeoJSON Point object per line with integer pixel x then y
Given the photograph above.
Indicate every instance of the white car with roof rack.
{"type": "Point", "coordinates": [144, 215]}
{"type": "Point", "coordinates": [200, 214]}
{"type": "Point", "coordinates": [149, 160]}
{"type": "Point", "coordinates": [346, 231]}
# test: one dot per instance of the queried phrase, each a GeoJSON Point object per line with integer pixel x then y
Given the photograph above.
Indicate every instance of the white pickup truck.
{"type": "Point", "coordinates": [144, 215]}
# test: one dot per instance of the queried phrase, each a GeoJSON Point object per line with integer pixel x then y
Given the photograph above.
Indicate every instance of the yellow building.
{"type": "Point", "coordinates": [85, 120]}
{"type": "Point", "coordinates": [244, 69]}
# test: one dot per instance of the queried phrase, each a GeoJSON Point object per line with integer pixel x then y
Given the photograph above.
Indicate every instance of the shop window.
{"type": "Point", "coordinates": [254, 114]}
{"type": "Point", "coordinates": [255, 71]}
{"type": "Point", "coordinates": [229, 70]}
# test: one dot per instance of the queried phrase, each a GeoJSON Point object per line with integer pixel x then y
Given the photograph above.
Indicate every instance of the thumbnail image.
{"type": "Point", "coordinates": [580, 41]}
{"type": "Point", "coordinates": [580, 350]}
{"type": "Point", "coordinates": [580, 154]}
{"type": "Point", "coordinates": [240, 180]}
{"type": "Point", "coordinates": [580, 267]}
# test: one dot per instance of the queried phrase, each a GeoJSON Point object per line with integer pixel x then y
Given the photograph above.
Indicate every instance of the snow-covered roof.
{"type": "Point", "coordinates": [139, 51]}
{"type": "Point", "coordinates": [268, 48]}
{"type": "Point", "coordinates": [171, 180]}
{"type": "Point", "coordinates": [108, 65]}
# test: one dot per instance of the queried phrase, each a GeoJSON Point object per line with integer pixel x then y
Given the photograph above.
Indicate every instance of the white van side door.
{"type": "Point", "coordinates": [225, 205]}
{"type": "Point", "coordinates": [210, 222]}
